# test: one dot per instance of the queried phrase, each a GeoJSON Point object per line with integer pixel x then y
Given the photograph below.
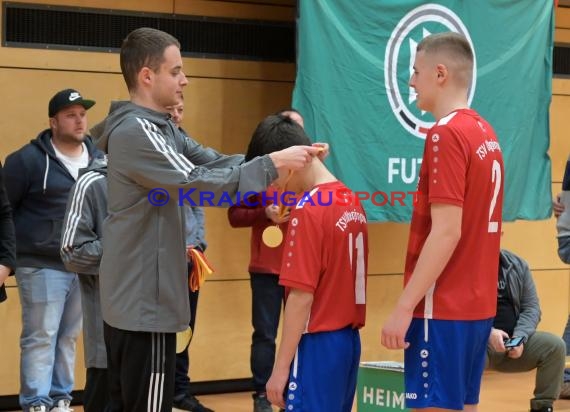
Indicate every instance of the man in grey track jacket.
{"type": "Point", "coordinates": [143, 279]}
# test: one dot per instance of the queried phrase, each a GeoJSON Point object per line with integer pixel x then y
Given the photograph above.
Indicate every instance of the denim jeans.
{"type": "Point", "coordinates": [267, 298]}
{"type": "Point", "coordinates": [51, 322]}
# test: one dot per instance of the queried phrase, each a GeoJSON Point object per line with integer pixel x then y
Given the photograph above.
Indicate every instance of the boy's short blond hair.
{"type": "Point", "coordinates": [456, 52]}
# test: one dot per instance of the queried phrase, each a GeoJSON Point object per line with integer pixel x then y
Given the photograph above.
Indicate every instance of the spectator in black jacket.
{"type": "Point", "coordinates": [7, 238]}
{"type": "Point", "coordinates": [518, 315]}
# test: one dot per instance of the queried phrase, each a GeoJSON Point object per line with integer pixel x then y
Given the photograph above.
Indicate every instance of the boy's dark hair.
{"type": "Point", "coordinates": [288, 109]}
{"type": "Point", "coordinates": [143, 47]}
{"type": "Point", "coordinates": [275, 132]}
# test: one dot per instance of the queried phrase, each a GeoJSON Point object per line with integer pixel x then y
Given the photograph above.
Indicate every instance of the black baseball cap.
{"type": "Point", "coordinates": [66, 98]}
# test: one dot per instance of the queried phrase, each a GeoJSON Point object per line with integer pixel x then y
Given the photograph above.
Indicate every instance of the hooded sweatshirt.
{"type": "Point", "coordinates": [7, 234]}
{"type": "Point", "coordinates": [38, 185]}
{"type": "Point", "coordinates": [143, 279]}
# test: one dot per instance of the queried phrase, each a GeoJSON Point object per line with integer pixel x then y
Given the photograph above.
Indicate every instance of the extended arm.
{"type": "Point", "coordinates": [295, 320]}
{"type": "Point", "coordinates": [436, 252]}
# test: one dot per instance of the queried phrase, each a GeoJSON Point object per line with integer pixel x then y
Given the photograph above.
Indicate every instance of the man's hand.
{"type": "Point", "coordinates": [272, 213]}
{"type": "Point", "coordinates": [497, 338]}
{"type": "Point", "coordinates": [395, 328]}
{"type": "Point", "coordinates": [294, 157]}
{"type": "Point", "coordinates": [4, 273]}
{"type": "Point", "coordinates": [557, 206]}
{"type": "Point", "coordinates": [276, 386]}
{"type": "Point", "coordinates": [516, 352]}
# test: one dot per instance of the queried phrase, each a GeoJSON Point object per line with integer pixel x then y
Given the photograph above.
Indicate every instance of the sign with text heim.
{"type": "Point", "coordinates": [380, 387]}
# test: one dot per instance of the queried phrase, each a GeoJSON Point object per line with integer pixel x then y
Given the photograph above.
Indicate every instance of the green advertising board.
{"type": "Point", "coordinates": [380, 387]}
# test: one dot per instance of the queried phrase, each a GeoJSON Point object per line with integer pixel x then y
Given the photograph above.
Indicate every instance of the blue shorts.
{"type": "Point", "coordinates": [323, 373]}
{"type": "Point", "coordinates": [445, 362]}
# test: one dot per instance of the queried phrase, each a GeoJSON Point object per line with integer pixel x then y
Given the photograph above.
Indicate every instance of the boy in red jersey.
{"type": "Point", "coordinates": [259, 213]}
{"type": "Point", "coordinates": [324, 273]}
{"type": "Point", "coordinates": [444, 316]}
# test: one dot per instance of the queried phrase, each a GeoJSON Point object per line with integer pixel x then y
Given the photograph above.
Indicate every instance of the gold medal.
{"type": "Point", "coordinates": [272, 236]}
{"type": "Point", "coordinates": [183, 340]}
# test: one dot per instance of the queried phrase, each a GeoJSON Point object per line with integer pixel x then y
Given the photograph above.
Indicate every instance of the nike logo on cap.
{"type": "Point", "coordinates": [74, 96]}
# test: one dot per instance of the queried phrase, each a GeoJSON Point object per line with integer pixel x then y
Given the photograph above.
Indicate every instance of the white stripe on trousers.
{"type": "Point", "coordinates": [156, 385]}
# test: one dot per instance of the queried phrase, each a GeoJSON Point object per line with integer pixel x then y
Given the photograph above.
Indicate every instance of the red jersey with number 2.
{"type": "Point", "coordinates": [463, 166]}
{"type": "Point", "coordinates": [326, 253]}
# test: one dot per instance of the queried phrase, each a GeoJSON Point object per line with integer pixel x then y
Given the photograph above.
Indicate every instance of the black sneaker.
{"type": "Point", "coordinates": [543, 409]}
{"type": "Point", "coordinates": [261, 403]}
{"type": "Point", "coordinates": [189, 403]}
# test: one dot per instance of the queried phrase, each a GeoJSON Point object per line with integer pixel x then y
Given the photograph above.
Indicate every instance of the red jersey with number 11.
{"type": "Point", "coordinates": [326, 253]}
{"type": "Point", "coordinates": [462, 166]}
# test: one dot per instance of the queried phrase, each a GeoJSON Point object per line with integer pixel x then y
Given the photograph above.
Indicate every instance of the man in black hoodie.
{"type": "Point", "coordinates": [518, 315]}
{"type": "Point", "coordinates": [39, 177]}
{"type": "Point", "coordinates": [7, 239]}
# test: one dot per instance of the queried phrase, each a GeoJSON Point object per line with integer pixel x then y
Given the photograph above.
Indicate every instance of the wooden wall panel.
{"type": "Point", "coordinates": [28, 92]}
{"type": "Point", "coordinates": [223, 113]}
{"type": "Point", "coordinates": [552, 287]}
{"type": "Point", "coordinates": [562, 19]}
{"type": "Point", "coordinates": [10, 312]}
{"type": "Point", "coordinates": [220, 347]}
{"type": "Point", "coordinates": [149, 6]}
{"type": "Point", "coordinates": [219, 113]}
{"type": "Point", "coordinates": [47, 59]}
{"type": "Point", "coordinates": [263, 10]}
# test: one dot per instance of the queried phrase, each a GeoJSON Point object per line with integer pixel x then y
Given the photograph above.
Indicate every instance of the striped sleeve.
{"type": "Point", "coordinates": [81, 247]}
{"type": "Point", "coordinates": [178, 161]}
{"type": "Point", "coordinates": [142, 151]}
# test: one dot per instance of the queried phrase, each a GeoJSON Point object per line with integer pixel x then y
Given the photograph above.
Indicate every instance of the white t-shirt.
{"type": "Point", "coordinates": [73, 164]}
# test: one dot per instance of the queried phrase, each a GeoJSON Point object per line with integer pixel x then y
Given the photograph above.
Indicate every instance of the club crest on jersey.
{"type": "Point", "coordinates": [400, 56]}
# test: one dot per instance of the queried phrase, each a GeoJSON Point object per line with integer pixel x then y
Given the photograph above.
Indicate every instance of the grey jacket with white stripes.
{"type": "Point", "coordinates": [143, 279]}
{"type": "Point", "coordinates": [81, 250]}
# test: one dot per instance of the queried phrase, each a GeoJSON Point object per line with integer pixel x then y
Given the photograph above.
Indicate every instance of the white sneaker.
{"type": "Point", "coordinates": [62, 406]}
{"type": "Point", "coordinates": [38, 409]}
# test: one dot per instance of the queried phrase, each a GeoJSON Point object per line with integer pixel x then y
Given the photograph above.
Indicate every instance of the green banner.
{"type": "Point", "coordinates": [354, 63]}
